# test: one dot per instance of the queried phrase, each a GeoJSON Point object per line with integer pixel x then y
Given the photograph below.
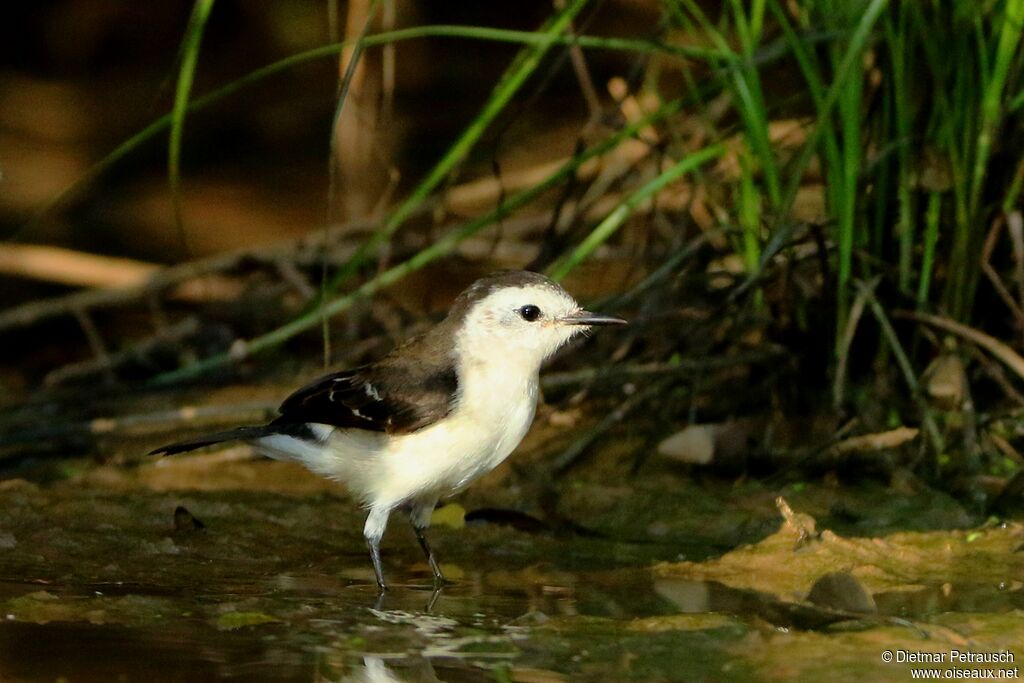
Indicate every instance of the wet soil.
{"type": "Point", "coordinates": [222, 567]}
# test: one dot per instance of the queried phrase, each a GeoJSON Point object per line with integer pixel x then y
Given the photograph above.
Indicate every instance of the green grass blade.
{"type": "Point", "coordinates": [186, 72]}
{"type": "Point", "coordinates": [749, 213]}
{"type": "Point", "coordinates": [445, 245]}
{"type": "Point", "coordinates": [896, 37]}
{"type": "Point", "coordinates": [415, 33]}
{"type": "Point", "coordinates": [606, 228]}
{"type": "Point", "coordinates": [931, 239]}
{"type": "Point", "coordinates": [909, 376]}
{"type": "Point", "coordinates": [844, 91]}
{"type": "Point", "coordinates": [747, 87]}
{"type": "Point", "coordinates": [1008, 51]}
{"type": "Point", "coordinates": [334, 156]}
{"type": "Point", "coordinates": [522, 68]}
{"type": "Point", "coordinates": [850, 61]}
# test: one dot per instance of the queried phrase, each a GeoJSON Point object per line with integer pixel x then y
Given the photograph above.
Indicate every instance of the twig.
{"type": "Point", "coordinates": [143, 423]}
{"type": "Point", "coordinates": [856, 311]}
{"type": "Point", "coordinates": [666, 268]}
{"type": "Point", "coordinates": [908, 371]}
{"type": "Point", "coordinates": [995, 373]}
{"type": "Point", "coordinates": [69, 267]}
{"type": "Point", "coordinates": [1006, 448]}
{"type": "Point", "coordinates": [572, 454]}
{"type": "Point", "coordinates": [441, 247]}
{"type": "Point", "coordinates": [997, 348]}
{"type": "Point", "coordinates": [290, 274]}
{"type": "Point", "coordinates": [579, 67]}
{"type": "Point", "coordinates": [993, 276]}
{"type": "Point", "coordinates": [111, 361]}
{"type": "Point", "coordinates": [99, 349]}
{"type": "Point", "coordinates": [304, 247]}
{"type": "Point", "coordinates": [874, 442]}
{"type": "Point", "coordinates": [559, 380]}
{"type": "Point", "coordinates": [1015, 224]}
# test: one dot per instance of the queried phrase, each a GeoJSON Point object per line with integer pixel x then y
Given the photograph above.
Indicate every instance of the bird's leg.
{"type": "Point", "coordinates": [438, 589]}
{"type": "Point", "coordinates": [420, 518]}
{"type": "Point", "coordinates": [376, 522]}
{"type": "Point", "coordinates": [421, 536]}
{"type": "Point", "coordinates": [378, 571]}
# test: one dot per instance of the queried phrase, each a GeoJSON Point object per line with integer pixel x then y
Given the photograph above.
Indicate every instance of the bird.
{"type": "Point", "coordinates": [437, 412]}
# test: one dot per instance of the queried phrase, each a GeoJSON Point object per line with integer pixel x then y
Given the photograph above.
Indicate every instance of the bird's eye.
{"type": "Point", "coordinates": [529, 313]}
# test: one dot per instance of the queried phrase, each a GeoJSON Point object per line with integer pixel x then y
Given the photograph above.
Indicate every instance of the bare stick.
{"type": "Point", "coordinates": [559, 380]}
{"type": "Point", "coordinates": [69, 267]}
{"type": "Point", "coordinates": [997, 282]}
{"type": "Point", "coordinates": [849, 330]}
{"type": "Point", "coordinates": [908, 371]}
{"type": "Point", "coordinates": [571, 455]}
{"type": "Point", "coordinates": [997, 348]}
{"type": "Point", "coordinates": [99, 349]}
{"type": "Point", "coordinates": [302, 249]}
{"type": "Point", "coordinates": [995, 373]}
{"type": "Point", "coordinates": [579, 66]}
{"type": "Point", "coordinates": [143, 423]}
{"type": "Point", "coordinates": [1015, 223]}
{"type": "Point", "coordinates": [111, 361]}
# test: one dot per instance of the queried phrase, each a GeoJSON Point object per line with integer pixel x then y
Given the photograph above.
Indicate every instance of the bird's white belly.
{"type": "Point", "coordinates": [493, 414]}
{"type": "Point", "coordinates": [433, 462]}
{"type": "Point", "coordinates": [444, 458]}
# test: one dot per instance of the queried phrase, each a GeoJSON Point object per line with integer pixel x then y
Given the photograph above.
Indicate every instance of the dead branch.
{"type": "Point", "coordinates": [70, 267]}
{"type": "Point", "coordinates": [109, 362]}
{"type": "Point", "coordinates": [997, 348]}
{"type": "Point", "coordinates": [849, 330]}
{"type": "Point", "coordinates": [99, 348]}
{"type": "Point", "coordinates": [573, 454]}
{"type": "Point", "coordinates": [995, 373]}
{"type": "Point", "coordinates": [866, 443]}
{"type": "Point", "coordinates": [938, 443]}
{"type": "Point", "coordinates": [990, 272]}
{"type": "Point", "coordinates": [191, 417]}
{"type": "Point", "coordinates": [307, 248]}
{"type": "Point", "coordinates": [559, 380]}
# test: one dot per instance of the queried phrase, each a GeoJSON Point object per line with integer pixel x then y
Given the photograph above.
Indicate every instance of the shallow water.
{"type": "Point", "coordinates": [106, 583]}
{"type": "Point", "coordinates": [603, 626]}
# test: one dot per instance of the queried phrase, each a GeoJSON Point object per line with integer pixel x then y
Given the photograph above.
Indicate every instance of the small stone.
{"type": "Point", "coordinates": [944, 380]}
{"type": "Point", "coordinates": [185, 522]}
{"type": "Point", "coordinates": [658, 529]}
{"type": "Point", "coordinates": [843, 592]}
{"type": "Point", "coordinates": [694, 445]}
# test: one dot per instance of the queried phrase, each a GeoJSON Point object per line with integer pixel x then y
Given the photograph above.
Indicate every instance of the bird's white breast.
{"type": "Point", "coordinates": [492, 411]}
{"type": "Point", "coordinates": [492, 414]}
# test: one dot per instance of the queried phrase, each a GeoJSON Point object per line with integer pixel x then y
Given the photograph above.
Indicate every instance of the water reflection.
{"type": "Point", "coordinates": [315, 627]}
{"type": "Point", "coordinates": [374, 670]}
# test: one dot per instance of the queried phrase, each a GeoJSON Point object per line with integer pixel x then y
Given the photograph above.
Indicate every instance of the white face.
{"type": "Point", "coordinates": [524, 324]}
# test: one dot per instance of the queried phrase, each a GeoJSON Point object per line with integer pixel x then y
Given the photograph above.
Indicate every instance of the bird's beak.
{"type": "Point", "coordinates": [587, 318]}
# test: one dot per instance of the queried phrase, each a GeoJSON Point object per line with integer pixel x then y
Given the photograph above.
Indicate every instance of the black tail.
{"type": "Point", "coordinates": [238, 434]}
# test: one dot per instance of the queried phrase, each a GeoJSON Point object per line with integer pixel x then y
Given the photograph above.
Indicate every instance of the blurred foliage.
{"type": "Point", "coordinates": [799, 164]}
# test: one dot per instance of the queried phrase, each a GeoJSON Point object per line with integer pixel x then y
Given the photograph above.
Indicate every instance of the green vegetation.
{"type": "Point", "coordinates": [905, 122]}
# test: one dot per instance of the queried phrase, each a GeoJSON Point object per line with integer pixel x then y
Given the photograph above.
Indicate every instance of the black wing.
{"type": "Point", "coordinates": [382, 398]}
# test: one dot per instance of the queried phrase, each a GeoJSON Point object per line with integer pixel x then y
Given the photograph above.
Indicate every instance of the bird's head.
{"type": "Point", "coordinates": [519, 317]}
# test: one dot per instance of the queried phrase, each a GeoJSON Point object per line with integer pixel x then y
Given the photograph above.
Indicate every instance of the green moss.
{"type": "Point", "coordinates": [234, 620]}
